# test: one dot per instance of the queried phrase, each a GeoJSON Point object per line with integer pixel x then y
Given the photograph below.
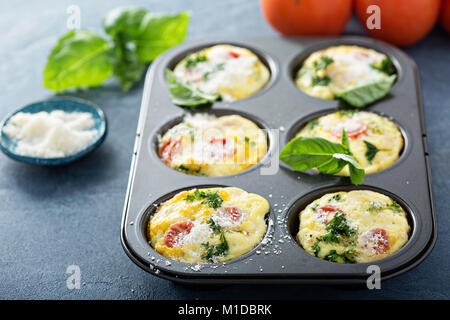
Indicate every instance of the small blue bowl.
{"type": "Point", "coordinates": [66, 104]}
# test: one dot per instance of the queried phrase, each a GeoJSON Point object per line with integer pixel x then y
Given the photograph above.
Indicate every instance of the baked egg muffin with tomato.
{"type": "Point", "coordinates": [336, 71]}
{"type": "Point", "coordinates": [232, 72]}
{"type": "Point", "coordinates": [353, 227]}
{"type": "Point", "coordinates": [203, 144]}
{"type": "Point", "coordinates": [375, 141]}
{"type": "Point", "coordinates": [208, 225]}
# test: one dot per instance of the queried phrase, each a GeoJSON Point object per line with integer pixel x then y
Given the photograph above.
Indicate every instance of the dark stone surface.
{"type": "Point", "coordinates": [54, 217]}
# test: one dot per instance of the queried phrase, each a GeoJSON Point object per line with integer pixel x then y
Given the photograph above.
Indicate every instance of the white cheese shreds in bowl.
{"type": "Point", "coordinates": [51, 135]}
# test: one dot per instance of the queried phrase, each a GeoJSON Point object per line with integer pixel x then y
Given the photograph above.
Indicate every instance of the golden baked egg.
{"type": "Point", "coordinates": [232, 72]}
{"type": "Point", "coordinates": [375, 141]}
{"type": "Point", "coordinates": [333, 72]}
{"type": "Point", "coordinates": [207, 145]}
{"type": "Point", "coordinates": [353, 227]}
{"type": "Point", "coordinates": [208, 225]}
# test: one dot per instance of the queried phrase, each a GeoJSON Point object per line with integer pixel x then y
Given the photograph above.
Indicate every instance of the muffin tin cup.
{"type": "Point", "coordinates": [280, 105]}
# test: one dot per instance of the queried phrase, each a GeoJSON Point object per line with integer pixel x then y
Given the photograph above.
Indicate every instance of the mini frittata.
{"type": "Point", "coordinates": [232, 72]}
{"type": "Point", "coordinates": [207, 145]}
{"type": "Point", "coordinates": [353, 227]}
{"type": "Point", "coordinates": [375, 141]}
{"type": "Point", "coordinates": [208, 225]}
{"type": "Point", "coordinates": [329, 72]}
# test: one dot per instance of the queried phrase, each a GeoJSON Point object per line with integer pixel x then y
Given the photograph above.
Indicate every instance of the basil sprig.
{"type": "Point", "coordinates": [184, 93]}
{"type": "Point", "coordinates": [304, 153]}
{"type": "Point", "coordinates": [136, 37]}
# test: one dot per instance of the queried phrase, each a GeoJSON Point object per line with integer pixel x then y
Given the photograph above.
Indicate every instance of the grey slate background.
{"type": "Point", "coordinates": [54, 217]}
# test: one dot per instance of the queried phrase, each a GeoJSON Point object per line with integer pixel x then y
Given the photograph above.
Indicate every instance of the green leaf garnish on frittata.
{"type": "Point", "coordinates": [304, 153]}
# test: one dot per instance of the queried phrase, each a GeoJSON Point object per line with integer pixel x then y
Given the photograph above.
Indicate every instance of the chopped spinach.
{"type": "Point", "coordinates": [348, 112]}
{"type": "Point", "coordinates": [215, 227]}
{"type": "Point", "coordinates": [218, 67]}
{"type": "Point", "coordinates": [316, 249]}
{"type": "Point", "coordinates": [371, 151]}
{"type": "Point", "coordinates": [394, 206]}
{"type": "Point", "coordinates": [192, 61]}
{"type": "Point", "coordinates": [312, 124]}
{"type": "Point", "coordinates": [186, 169]}
{"type": "Point", "coordinates": [324, 62]}
{"type": "Point", "coordinates": [338, 229]}
{"type": "Point", "coordinates": [346, 257]}
{"type": "Point", "coordinates": [385, 66]}
{"type": "Point", "coordinates": [336, 197]}
{"type": "Point", "coordinates": [320, 81]}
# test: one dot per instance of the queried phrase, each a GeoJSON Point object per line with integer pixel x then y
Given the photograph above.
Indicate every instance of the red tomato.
{"type": "Point", "coordinates": [307, 17]}
{"type": "Point", "coordinates": [222, 148]}
{"type": "Point", "coordinates": [234, 54]}
{"type": "Point", "coordinates": [176, 231]}
{"type": "Point", "coordinates": [378, 240]}
{"type": "Point", "coordinates": [170, 149]}
{"type": "Point", "coordinates": [326, 213]}
{"type": "Point", "coordinates": [402, 22]}
{"type": "Point", "coordinates": [234, 212]}
{"type": "Point", "coordinates": [357, 129]}
{"type": "Point", "coordinates": [445, 15]}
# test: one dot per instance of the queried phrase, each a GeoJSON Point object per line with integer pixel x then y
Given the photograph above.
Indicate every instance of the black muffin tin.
{"type": "Point", "coordinates": [280, 105]}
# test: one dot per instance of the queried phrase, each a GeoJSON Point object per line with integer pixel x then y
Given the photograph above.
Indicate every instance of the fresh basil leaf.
{"type": "Point", "coordinates": [159, 33]}
{"type": "Point", "coordinates": [356, 173]}
{"type": "Point", "coordinates": [345, 141]}
{"type": "Point", "coordinates": [185, 94]}
{"type": "Point", "coordinates": [364, 95]}
{"type": "Point", "coordinates": [139, 37]}
{"type": "Point", "coordinates": [127, 67]}
{"type": "Point", "coordinates": [125, 21]}
{"type": "Point", "coordinates": [79, 59]}
{"type": "Point", "coordinates": [303, 153]}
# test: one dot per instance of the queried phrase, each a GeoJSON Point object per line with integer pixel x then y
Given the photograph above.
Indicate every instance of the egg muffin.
{"type": "Point", "coordinates": [232, 72]}
{"type": "Point", "coordinates": [353, 227]}
{"type": "Point", "coordinates": [208, 225]}
{"type": "Point", "coordinates": [375, 141]}
{"type": "Point", "coordinates": [207, 145]}
{"type": "Point", "coordinates": [330, 72]}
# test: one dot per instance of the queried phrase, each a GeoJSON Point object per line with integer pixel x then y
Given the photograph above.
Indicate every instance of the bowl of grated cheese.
{"type": "Point", "coordinates": [53, 132]}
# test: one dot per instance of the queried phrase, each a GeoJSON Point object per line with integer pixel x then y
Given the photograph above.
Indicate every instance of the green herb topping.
{"type": "Point", "coordinates": [320, 81]}
{"type": "Point", "coordinates": [324, 62]}
{"type": "Point", "coordinates": [385, 66]}
{"type": "Point", "coordinates": [336, 197]}
{"type": "Point", "coordinates": [371, 151]}
{"type": "Point", "coordinates": [337, 228]}
{"type": "Point", "coordinates": [213, 199]}
{"type": "Point", "coordinates": [345, 257]}
{"type": "Point", "coordinates": [193, 60]}
{"type": "Point", "coordinates": [220, 249]}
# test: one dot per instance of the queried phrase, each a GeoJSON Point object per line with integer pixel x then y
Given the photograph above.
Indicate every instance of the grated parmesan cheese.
{"type": "Point", "coordinates": [51, 135]}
